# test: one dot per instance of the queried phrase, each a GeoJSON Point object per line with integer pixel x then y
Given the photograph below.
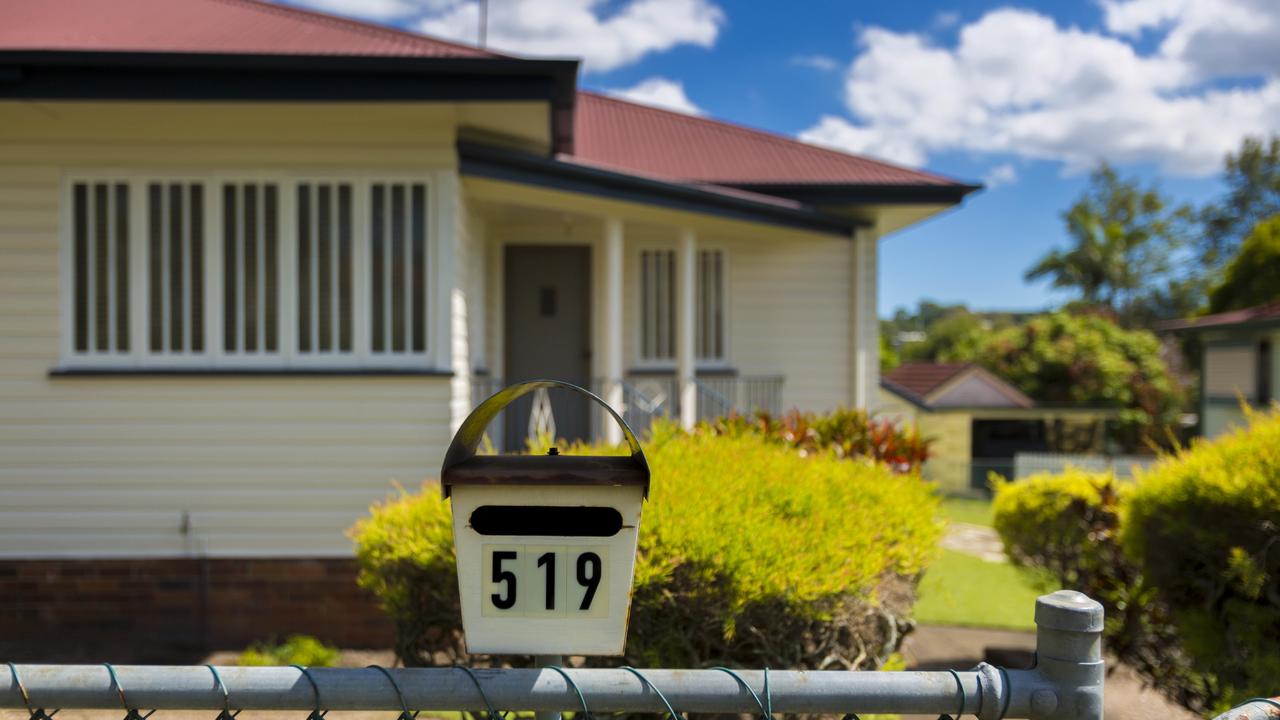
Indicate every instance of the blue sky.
{"type": "Point", "coordinates": [1023, 95]}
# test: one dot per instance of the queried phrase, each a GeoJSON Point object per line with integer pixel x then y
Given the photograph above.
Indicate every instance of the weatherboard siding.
{"type": "Point", "coordinates": [228, 465]}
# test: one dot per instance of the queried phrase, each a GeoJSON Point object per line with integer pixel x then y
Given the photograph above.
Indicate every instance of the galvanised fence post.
{"type": "Point", "coordinates": [1068, 660]}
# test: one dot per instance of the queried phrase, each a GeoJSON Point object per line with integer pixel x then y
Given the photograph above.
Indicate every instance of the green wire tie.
{"type": "Point", "coordinates": [226, 713]}
{"type": "Point", "coordinates": [493, 714]}
{"type": "Point", "coordinates": [130, 713]}
{"type": "Point", "coordinates": [675, 715]}
{"type": "Point", "coordinates": [37, 713]}
{"type": "Point", "coordinates": [963, 698]}
{"type": "Point", "coordinates": [317, 713]}
{"type": "Point", "coordinates": [585, 712]}
{"type": "Point", "coordinates": [766, 707]}
{"type": "Point", "coordinates": [1267, 701]}
{"type": "Point", "coordinates": [404, 714]}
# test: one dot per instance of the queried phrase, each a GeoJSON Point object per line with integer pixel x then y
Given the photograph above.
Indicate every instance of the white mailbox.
{"type": "Point", "coordinates": [545, 545]}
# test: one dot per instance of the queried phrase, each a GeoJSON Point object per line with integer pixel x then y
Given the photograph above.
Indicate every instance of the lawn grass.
{"type": "Point", "coordinates": [974, 511]}
{"type": "Point", "coordinates": [960, 589]}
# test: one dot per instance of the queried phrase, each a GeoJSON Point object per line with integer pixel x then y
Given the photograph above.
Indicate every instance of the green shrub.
{"type": "Point", "coordinates": [1065, 530]}
{"type": "Point", "coordinates": [1186, 560]}
{"type": "Point", "coordinates": [749, 554]}
{"type": "Point", "coordinates": [296, 649]}
{"type": "Point", "coordinates": [849, 434]}
{"type": "Point", "coordinates": [1204, 527]}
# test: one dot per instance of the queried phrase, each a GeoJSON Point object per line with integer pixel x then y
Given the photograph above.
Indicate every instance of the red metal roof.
{"type": "Point", "coordinates": [609, 133]}
{"type": "Point", "coordinates": [1257, 313]}
{"type": "Point", "coordinates": [620, 134]}
{"type": "Point", "coordinates": [205, 26]}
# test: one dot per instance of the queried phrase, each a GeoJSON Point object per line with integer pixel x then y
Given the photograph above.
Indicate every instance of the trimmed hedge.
{"type": "Point", "coordinates": [1205, 530]}
{"type": "Point", "coordinates": [749, 554]}
{"type": "Point", "coordinates": [1186, 560]}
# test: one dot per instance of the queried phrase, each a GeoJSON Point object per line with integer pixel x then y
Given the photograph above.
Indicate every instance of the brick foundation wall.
{"type": "Point", "coordinates": [178, 610]}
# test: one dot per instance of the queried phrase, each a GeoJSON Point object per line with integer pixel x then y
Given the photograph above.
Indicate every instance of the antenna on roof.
{"type": "Point", "coordinates": [484, 21]}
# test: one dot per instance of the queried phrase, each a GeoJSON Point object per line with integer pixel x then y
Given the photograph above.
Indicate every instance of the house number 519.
{"type": "Point", "coordinates": [544, 580]}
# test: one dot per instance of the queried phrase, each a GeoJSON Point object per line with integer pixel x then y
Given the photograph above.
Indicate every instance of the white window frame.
{"type": "Point", "coordinates": [437, 229]}
{"type": "Point", "coordinates": [640, 362]}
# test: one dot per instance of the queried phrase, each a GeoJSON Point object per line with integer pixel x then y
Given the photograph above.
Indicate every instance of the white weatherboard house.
{"type": "Point", "coordinates": [257, 263]}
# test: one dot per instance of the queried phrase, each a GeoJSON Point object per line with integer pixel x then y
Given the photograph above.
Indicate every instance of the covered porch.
{"type": "Point", "coordinates": [664, 312]}
{"type": "Point", "coordinates": [636, 311]}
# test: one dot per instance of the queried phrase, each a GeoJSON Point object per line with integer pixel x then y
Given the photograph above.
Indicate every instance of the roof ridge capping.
{"type": "Point", "coordinates": [356, 25]}
{"type": "Point", "coordinates": [779, 138]}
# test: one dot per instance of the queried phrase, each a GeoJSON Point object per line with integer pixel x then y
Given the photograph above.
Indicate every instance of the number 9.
{"type": "Point", "coordinates": [588, 577]}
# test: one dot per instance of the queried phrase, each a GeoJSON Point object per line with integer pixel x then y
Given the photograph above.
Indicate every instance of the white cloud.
{"type": "Point", "coordinates": [817, 62]}
{"type": "Point", "coordinates": [946, 19]}
{"type": "Point", "coordinates": [370, 9]}
{"type": "Point", "coordinates": [1002, 174]}
{"type": "Point", "coordinates": [1017, 83]}
{"type": "Point", "coordinates": [604, 36]}
{"type": "Point", "coordinates": [1213, 36]}
{"type": "Point", "coordinates": [660, 92]}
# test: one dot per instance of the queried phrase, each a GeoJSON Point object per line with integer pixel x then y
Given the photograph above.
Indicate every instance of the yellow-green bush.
{"type": "Point", "coordinates": [302, 650]}
{"type": "Point", "coordinates": [1204, 527]}
{"type": "Point", "coordinates": [1186, 560]}
{"type": "Point", "coordinates": [748, 554]}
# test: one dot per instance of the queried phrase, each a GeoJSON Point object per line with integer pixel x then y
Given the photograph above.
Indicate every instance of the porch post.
{"type": "Point", "coordinates": [864, 323]}
{"type": "Point", "coordinates": [611, 328]}
{"type": "Point", "coordinates": [686, 357]}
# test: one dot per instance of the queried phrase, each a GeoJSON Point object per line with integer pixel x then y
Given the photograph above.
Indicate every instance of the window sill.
{"type": "Point", "coordinates": [85, 372]}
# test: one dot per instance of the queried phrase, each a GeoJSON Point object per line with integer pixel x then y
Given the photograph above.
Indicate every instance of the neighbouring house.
{"type": "Point", "coordinates": [980, 424]}
{"type": "Point", "coordinates": [1239, 364]}
{"type": "Point", "coordinates": [257, 263]}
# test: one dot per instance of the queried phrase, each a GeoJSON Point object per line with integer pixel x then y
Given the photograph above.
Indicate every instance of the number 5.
{"type": "Point", "coordinates": [507, 600]}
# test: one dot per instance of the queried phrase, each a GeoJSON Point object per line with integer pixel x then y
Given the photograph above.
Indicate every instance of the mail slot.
{"type": "Point", "coordinates": [546, 544]}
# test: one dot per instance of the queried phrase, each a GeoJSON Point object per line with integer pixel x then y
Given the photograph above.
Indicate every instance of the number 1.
{"type": "Point", "coordinates": [548, 560]}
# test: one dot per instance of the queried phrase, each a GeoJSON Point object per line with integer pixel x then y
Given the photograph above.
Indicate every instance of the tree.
{"type": "Point", "coordinates": [1083, 359]}
{"type": "Point", "coordinates": [1252, 277]}
{"type": "Point", "coordinates": [1124, 239]}
{"type": "Point", "coordinates": [1252, 176]}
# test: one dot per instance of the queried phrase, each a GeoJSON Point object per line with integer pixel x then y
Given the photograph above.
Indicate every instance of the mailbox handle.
{"type": "Point", "coordinates": [469, 435]}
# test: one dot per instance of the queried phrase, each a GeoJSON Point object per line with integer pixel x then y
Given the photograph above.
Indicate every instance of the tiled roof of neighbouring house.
{"type": "Point", "coordinates": [922, 378]}
{"type": "Point", "coordinates": [609, 133]}
{"type": "Point", "coordinates": [1257, 313]}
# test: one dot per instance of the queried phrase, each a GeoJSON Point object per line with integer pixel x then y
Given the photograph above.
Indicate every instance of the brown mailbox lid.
{"type": "Point", "coordinates": [463, 467]}
{"type": "Point", "coordinates": [546, 470]}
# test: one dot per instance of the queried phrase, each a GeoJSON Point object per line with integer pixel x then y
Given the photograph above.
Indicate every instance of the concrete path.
{"type": "Point", "coordinates": [976, 540]}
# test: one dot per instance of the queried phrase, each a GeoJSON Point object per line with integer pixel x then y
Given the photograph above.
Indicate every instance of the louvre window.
{"type": "Point", "coordinates": [709, 333]}
{"type": "Point", "coordinates": [658, 306]}
{"type": "Point", "coordinates": [250, 268]}
{"type": "Point", "coordinates": [272, 271]}
{"type": "Point", "coordinates": [100, 259]}
{"type": "Point", "coordinates": [175, 267]}
{"type": "Point", "coordinates": [324, 268]}
{"type": "Point", "coordinates": [397, 273]}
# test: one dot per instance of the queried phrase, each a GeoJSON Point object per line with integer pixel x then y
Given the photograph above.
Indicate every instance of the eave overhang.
{"type": "Point", "coordinates": [148, 76]}
{"type": "Point", "coordinates": [508, 165]}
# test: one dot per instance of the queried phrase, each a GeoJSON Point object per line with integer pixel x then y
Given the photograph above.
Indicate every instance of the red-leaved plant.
{"type": "Point", "coordinates": [851, 434]}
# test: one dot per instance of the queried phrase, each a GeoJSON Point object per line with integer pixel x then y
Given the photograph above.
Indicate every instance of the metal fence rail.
{"type": "Point", "coordinates": [1066, 684]}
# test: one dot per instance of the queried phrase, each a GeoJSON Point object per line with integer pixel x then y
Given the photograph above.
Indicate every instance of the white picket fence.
{"type": "Point", "coordinates": [1123, 466]}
